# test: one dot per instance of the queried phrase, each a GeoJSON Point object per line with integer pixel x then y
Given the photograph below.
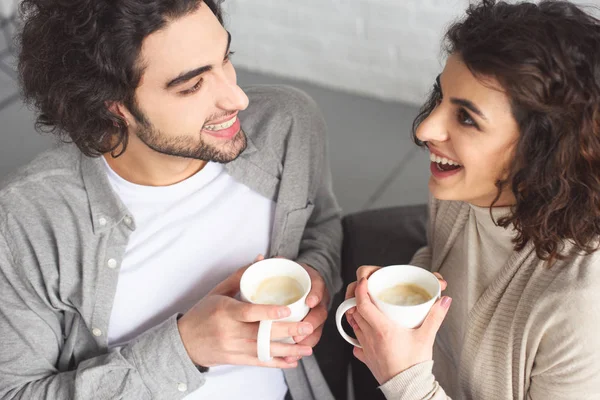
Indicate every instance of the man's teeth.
{"type": "Point", "coordinates": [224, 125]}
{"type": "Point", "coordinates": [442, 160]}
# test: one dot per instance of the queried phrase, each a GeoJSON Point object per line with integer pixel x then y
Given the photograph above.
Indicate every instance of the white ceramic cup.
{"type": "Point", "coordinates": [385, 278]}
{"type": "Point", "coordinates": [254, 276]}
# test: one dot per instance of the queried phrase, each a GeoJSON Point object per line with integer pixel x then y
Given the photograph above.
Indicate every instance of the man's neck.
{"type": "Point", "coordinates": [143, 166]}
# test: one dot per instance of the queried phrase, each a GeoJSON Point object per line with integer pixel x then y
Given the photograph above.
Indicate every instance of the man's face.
{"type": "Point", "coordinates": [188, 98]}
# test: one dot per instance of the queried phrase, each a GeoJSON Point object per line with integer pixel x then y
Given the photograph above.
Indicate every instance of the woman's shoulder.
{"type": "Point", "coordinates": [577, 273]}
{"type": "Point", "coordinates": [572, 288]}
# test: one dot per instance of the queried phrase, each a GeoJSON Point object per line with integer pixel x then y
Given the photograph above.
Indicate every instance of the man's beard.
{"type": "Point", "coordinates": [192, 146]}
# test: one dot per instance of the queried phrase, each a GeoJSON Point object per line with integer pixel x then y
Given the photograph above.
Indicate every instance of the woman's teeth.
{"type": "Point", "coordinates": [219, 127]}
{"type": "Point", "coordinates": [442, 160]}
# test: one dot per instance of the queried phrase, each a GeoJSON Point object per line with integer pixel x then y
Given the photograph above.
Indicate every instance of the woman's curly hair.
{"type": "Point", "coordinates": [546, 56]}
{"type": "Point", "coordinates": [79, 56]}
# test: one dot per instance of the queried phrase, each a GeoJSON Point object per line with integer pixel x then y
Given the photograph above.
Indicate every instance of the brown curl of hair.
{"type": "Point", "coordinates": [546, 57]}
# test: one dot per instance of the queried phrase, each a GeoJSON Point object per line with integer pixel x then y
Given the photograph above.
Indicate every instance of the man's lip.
{"type": "Point", "coordinates": [228, 118]}
{"type": "Point", "coordinates": [440, 154]}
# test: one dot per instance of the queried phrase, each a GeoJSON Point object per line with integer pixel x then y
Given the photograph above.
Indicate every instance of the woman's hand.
{"type": "Point", "coordinates": [389, 349]}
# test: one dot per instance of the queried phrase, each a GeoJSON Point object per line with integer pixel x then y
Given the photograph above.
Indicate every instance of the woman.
{"type": "Point", "coordinates": [513, 132]}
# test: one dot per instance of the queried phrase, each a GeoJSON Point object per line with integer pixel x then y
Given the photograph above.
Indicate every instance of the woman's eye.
{"type": "Point", "coordinates": [465, 119]}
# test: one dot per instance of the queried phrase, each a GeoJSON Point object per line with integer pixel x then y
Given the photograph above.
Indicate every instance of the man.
{"type": "Point", "coordinates": [120, 253]}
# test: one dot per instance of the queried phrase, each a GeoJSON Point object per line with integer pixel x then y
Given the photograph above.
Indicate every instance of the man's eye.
{"type": "Point", "coordinates": [228, 57]}
{"type": "Point", "coordinates": [193, 89]}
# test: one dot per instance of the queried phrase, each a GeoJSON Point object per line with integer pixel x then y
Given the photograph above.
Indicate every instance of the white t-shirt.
{"type": "Point", "coordinates": [189, 237]}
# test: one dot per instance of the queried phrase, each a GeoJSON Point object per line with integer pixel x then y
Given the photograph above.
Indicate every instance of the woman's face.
{"type": "Point", "coordinates": [471, 135]}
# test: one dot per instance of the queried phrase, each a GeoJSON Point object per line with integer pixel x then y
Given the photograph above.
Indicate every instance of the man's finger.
{"type": "Point", "coordinates": [279, 363]}
{"type": "Point", "coordinates": [282, 330]}
{"type": "Point", "coordinates": [246, 312]}
{"type": "Point", "coordinates": [312, 340]}
{"type": "Point", "coordinates": [316, 318]}
{"type": "Point", "coordinates": [230, 286]}
{"type": "Point", "coordinates": [318, 288]}
{"type": "Point", "coordinates": [281, 350]}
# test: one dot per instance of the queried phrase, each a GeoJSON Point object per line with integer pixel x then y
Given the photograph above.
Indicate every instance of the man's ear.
{"type": "Point", "coordinates": [118, 110]}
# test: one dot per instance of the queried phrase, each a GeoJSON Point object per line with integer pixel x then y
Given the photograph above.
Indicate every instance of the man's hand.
{"type": "Point", "coordinates": [220, 330]}
{"type": "Point", "coordinates": [317, 300]}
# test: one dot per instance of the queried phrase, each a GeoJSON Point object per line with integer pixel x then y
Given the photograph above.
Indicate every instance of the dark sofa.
{"type": "Point", "coordinates": [376, 237]}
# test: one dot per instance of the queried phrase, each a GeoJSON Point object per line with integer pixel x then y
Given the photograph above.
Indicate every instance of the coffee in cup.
{"type": "Point", "coordinates": [280, 282]}
{"type": "Point", "coordinates": [405, 294]}
{"type": "Point", "coordinates": [278, 290]}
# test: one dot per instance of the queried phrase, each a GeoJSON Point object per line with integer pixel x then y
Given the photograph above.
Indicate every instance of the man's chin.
{"type": "Point", "coordinates": [229, 150]}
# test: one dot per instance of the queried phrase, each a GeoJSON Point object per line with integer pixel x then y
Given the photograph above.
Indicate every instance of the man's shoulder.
{"type": "Point", "coordinates": [280, 98]}
{"type": "Point", "coordinates": [48, 174]}
{"type": "Point", "coordinates": [273, 109]}
{"type": "Point", "coordinates": [282, 118]}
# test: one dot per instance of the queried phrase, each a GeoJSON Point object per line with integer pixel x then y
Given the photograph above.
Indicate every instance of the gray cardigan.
{"type": "Point", "coordinates": [60, 223]}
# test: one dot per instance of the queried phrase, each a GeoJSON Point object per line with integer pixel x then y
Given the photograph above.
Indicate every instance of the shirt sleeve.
{"type": "Point", "coordinates": [153, 366]}
{"type": "Point", "coordinates": [416, 383]}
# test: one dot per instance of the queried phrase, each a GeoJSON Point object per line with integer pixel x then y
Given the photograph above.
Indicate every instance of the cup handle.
{"type": "Point", "coordinates": [263, 341]}
{"type": "Point", "coordinates": [342, 309]}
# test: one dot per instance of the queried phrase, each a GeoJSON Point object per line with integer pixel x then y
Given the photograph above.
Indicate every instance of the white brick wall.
{"type": "Point", "coordinates": [388, 49]}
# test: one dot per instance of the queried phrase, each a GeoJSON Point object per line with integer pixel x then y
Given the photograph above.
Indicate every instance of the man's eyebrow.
{"type": "Point", "coordinates": [186, 76]}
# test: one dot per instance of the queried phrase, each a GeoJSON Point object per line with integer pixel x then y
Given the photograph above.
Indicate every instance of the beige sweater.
{"type": "Point", "coordinates": [532, 333]}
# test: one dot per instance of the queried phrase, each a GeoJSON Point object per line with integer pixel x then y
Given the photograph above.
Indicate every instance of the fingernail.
{"type": "Point", "coordinates": [312, 299]}
{"type": "Point", "coordinates": [284, 312]}
{"type": "Point", "coordinates": [446, 301]}
{"type": "Point", "coordinates": [299, 358]}
{"type": "Point", "coordinates": [306, 352]}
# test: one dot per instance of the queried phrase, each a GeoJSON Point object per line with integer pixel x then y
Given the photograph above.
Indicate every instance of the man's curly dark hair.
{"type": "Point", "coordinates": [546, 57]}
{"type": "Point", "coordinates": [79, 56]}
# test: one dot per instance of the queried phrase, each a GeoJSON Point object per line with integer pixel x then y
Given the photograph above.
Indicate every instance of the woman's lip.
{"type": "Point", "coordinates": [442, 174]}
{"type": "Point", "coordinates": [442, 155]}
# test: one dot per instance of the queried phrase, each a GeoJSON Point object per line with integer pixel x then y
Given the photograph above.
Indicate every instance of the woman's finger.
{"type": "Point", "coordinates": [364, 305]}
{"type": "Point", "coordinates": [350, 290]}
{"type": "Point", "coordinates": [365, 272]}
{"type": "Point", "coordinates": [360, 354]}
{"type": "Point", "coordinates": [436, 316]}
{"type": "Point", "coordinates": [443, 282]}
